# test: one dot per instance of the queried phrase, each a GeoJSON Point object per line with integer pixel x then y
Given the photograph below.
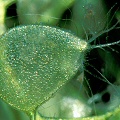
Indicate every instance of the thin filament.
{"type": "Point", "coordinates": [105, 45]}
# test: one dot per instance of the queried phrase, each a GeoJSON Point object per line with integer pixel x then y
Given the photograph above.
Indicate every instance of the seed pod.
{"type": "Point", "coordinates": [35, 61]}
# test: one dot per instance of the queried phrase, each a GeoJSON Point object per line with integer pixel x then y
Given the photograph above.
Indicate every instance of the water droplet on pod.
{"type": "Point", "coordinates": [35, 61]}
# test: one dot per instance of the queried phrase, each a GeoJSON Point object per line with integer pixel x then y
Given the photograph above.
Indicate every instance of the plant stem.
{"type": "Point", "coordinates": [32, 116]}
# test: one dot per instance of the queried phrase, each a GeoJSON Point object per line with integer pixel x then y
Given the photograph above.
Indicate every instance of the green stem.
{"type": "Point", "coordinates": [32, 116]}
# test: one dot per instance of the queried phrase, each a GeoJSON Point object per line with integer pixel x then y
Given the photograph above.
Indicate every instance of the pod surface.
{"type": "Point", "coordinates": [35, 61]}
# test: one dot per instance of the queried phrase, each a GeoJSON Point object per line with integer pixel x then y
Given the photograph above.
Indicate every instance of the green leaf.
{"type": "Point", "coordinates": [35, 61]}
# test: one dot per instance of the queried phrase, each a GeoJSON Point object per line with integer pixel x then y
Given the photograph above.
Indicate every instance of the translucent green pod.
{"type": "Point", "coordinates": [35, 61]}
